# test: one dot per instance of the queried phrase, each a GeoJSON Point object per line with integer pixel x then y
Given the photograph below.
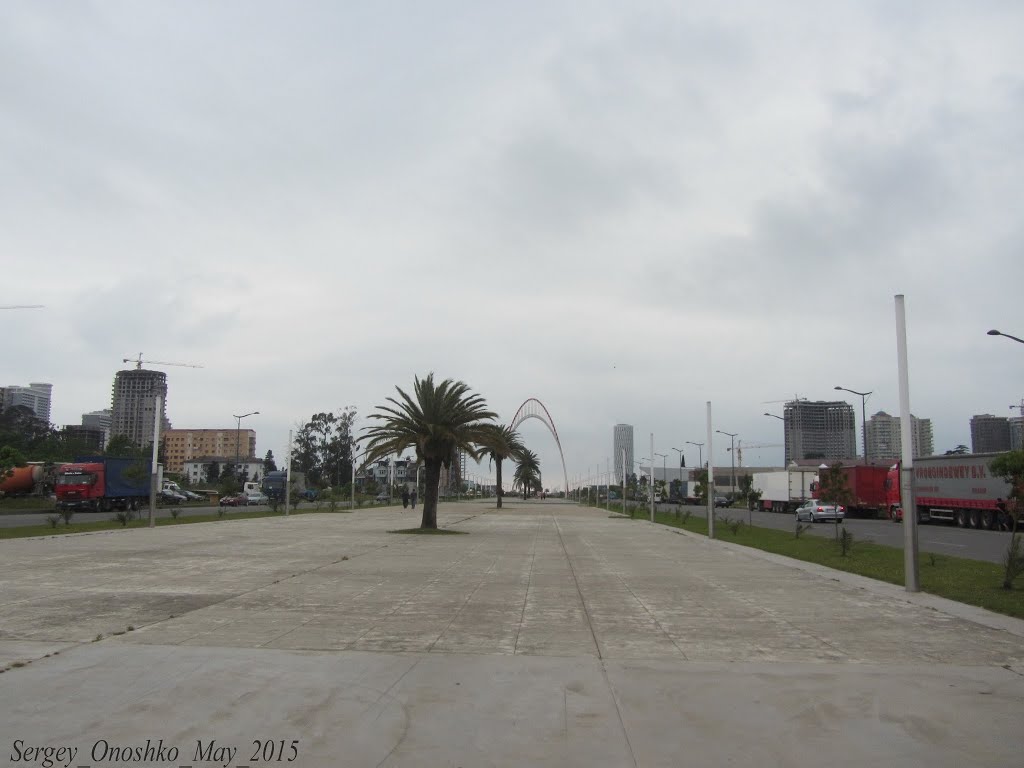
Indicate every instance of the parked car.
{"type": "Point", "coordinates": [721, 501]}
{"type": "Point", "coordinates": [815, 511]}
{"type": "Point", "coordinates": [193, 496]}
{"type": "Point", "coordinates": [172, 497]}
{"type": "Point", "coordinates": [383, 496]}
{"type": "Point", "coordinates": [238, 500]}
{"type": "Point", "coordinates": [255, 497]}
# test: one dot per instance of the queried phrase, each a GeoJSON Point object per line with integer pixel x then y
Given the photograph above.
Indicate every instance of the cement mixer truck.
{"type": "Point", "coordinates": [21, 481]}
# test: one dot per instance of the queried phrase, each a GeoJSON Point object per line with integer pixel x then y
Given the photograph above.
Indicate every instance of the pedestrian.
{"type": "Point", "coordinates": [405, 498]}
{"type": "Point", "coordinates": [412, 498]}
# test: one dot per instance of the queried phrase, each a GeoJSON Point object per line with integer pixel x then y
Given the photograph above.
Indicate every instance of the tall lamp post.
{"type": "Point", "coordinates": [700, 453]}
{"type": "Point", "coordinates": [732, 451]}
{"type": "Point", "coordinates": [863, 416]}
{"type": "Point", "coordinates": [681, 462]}
{"type": "Point", "coordinates": [238, 439]}
{"type": "Point", "coordinates": [785, 437]}
{"type": "Point", "coordinates": [664, 469]}
{"type": "Point", "coordinates": [1000, 333]}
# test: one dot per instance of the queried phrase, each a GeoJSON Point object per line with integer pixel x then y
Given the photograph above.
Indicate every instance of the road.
{"type": "Point", "coordinates": [989, 546]}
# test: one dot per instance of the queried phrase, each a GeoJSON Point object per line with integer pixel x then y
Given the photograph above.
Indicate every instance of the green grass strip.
{"type": "Point", "coordinates": [973, 582]}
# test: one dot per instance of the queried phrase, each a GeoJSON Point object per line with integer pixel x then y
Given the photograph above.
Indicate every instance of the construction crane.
{"type": "Point", "coordinates": [139, 361]}
{"type": "Point", "coordinates": [750, 447]}
{"type": "Point", "coordinates": [23, 306]}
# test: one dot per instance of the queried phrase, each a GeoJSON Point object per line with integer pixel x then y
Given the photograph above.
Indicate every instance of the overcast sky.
{"type": "Point", "coordinates": [622, 209]}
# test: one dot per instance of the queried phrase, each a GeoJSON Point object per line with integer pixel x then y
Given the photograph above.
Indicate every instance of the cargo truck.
{"type": "Point", "coordinates": [785, 489]}
{"type": "Point", "coordinates": [958, 489]}
{"type": "Point", "coordinates": [274, 483]}
{"type": "Point", "coordinates": [867, 486]}
{"type": "Point", "coordinates": [102, 483]}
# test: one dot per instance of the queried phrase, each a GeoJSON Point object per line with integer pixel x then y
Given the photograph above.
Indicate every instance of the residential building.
{"type": "Point", "coordinates": [137, 395]}
{"type": "Point", "coordinates": [98, 420]}
{"type": "Point", "coordinates": [196, 469]}
{"type": "Point", "coordinates": [990, 434]}
{"type": "Point", "coordinates": [36, 397]}
{"type": "Point", "coordinates": [819, 429]}
{"type": "Point", "coordinates": [622, 440]}
{"type": "Point", "coordinates": [885, 437]}
{"type": "Point", "coordinates": [180, 445]}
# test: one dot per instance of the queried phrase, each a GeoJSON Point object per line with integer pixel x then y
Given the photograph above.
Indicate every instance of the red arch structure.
{"type": "Point", "coordinates": [532, 408]}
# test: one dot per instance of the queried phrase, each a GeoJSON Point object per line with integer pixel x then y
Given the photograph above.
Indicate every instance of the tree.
{"type": "Point", "coordinates": [23, 431]}
{"type": "Point", "coordinates": [958, 451]}
{"type": "Point", "coordinates": [700, 486]}
{"type": "Point", "coordinates": [501, 442]}
{"type": "Point", "coordinates": [323, 448]}
{"type": "Point", "coordinates": [9, 459]}
{"type": "Point", "coordinates": [437, 420]}
{"type": "Point", "coordinates": [213, 472]}
{"type": "Point", "coordinates": [269, 465]}
{"type": "Point", "coordinates": [1010, 467]}
{"type": "Point", "coordinates": [527, 474]}
{"type": "Point", "coordinates": [121, 446]}
{"type": "Point", "coordinates": [833, 488]}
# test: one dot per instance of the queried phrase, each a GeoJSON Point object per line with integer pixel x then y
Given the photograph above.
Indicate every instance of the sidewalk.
{"type": "Point", "coordinates": [550, 635]}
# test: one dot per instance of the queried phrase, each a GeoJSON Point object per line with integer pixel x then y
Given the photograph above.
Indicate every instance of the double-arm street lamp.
{"type": "Point", "coordinates": [863, 416]}
{"type": "Point", "coordinates": [732, 451]}
{"type": "Point", "coordinates": [238, 441]}
{"type": "Point", "coordinates": [1000, 333]}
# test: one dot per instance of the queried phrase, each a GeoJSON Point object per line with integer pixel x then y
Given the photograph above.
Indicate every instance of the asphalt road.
{"type": "Point", "coordinates": [989, 546]}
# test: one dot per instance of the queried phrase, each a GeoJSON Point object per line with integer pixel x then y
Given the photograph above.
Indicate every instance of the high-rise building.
{"type": "Point", "coordinates": [990, 434]}
{"type": "Point", "coordinates": [98, 420]}
{"type": "Point", "coordinates": [1016, 433]}
{"type": "Point", "coordinates": [622, 440]}
{"type": "Point", "coordinates": [182, 445]}
{"type": "Point", "coordinates": [36, 397]}
{"type": "Point", "coordinates": [94, 438]}
{"type": "Point", "coordinates": [819, 429]}
{"type": "Point", "coordinates": [137, 395]}
{"type": "Point", "coordinates": [885, 437]}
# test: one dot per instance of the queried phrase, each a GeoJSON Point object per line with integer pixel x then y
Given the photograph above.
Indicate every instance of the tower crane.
{"type": "Point", "coordinates": [739, 449]}
{"type": "Point", "coordinates": [139, 361]}
{"type": "Point", "coordinates": [22, 306]}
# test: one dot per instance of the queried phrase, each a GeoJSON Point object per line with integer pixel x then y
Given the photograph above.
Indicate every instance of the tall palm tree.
{"type": "Point", "coordinates": [502, 442]}
{"type": "Point", "coordinates": [527, 474]}
{"type": "Point", "coordinates": [439, 420]}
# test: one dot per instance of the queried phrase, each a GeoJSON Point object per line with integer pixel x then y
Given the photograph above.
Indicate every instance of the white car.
{"type": "Point", "coordinates": [815, 511]}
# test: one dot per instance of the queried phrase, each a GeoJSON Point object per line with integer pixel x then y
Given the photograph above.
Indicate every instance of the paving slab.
{"type": "Point", "coordinates": [550, 635]}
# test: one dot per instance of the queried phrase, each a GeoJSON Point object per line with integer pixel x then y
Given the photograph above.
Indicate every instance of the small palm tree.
{"type": "Point", "coordinates": [439, 420]}
{"type": "Point", "coordinates": [502, 442]}
{"type": "Point", "coordinates": [527, 474]}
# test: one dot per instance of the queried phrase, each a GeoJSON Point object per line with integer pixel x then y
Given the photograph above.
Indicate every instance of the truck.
{"type": "Point", "coordinates": [784, 490]}
{"type": "Point", "coordinates": [21, 480]}
{"type": "Point", "coordinates": [958, 489]}
{"type": "Point", "coordinates": [102, 483]}
{"type": "Point", "coordinates": [274, 484]}
{"type": "Point", "coordinates": [868, 490]}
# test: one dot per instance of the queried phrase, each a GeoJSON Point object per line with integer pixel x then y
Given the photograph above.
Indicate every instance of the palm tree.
{"type": "Point", "coordinates": [438, 421]}
{"type": "Point", "coordinates": [502, 443]}
{"type": "Point", "coordinates": [527, 474]}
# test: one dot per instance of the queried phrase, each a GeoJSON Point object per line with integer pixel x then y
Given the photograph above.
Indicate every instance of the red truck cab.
{"type": "Point", "coordinates": [80, 486]}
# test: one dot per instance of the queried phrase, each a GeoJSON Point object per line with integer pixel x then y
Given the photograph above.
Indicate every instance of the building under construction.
{"type": "Point", "coordinates": [819, 429]}
{"type": "Point", "coordinates": [137, 396]}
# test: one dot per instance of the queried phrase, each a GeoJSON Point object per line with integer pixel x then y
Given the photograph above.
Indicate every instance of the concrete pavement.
{"type": "Point", "coordinates": [550, 635]}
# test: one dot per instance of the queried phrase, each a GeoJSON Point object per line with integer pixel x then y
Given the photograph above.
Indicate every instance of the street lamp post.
{"type": "Point", "coordinates": [863, 416]}
{"type": "Point", "coordinates": [680, 470]}
{"type": "Point", "coordinates": [700, 454]}
{"type": "Point", "coordinates": [785, 436]}
{"type": "Point", "coordinates": [238, 439]}
{"type": "Point", "coordinates": [1000, 333]}
{"type": "Point", "coordinates": [664, 469]}
{"type": "Point", "coordinates": [732, 451]}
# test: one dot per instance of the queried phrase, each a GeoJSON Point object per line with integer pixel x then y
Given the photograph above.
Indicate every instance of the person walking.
{"type": "Point", "coordinates": [405, 498]}
{"type": "Point", "coordinates": [412, 497]}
